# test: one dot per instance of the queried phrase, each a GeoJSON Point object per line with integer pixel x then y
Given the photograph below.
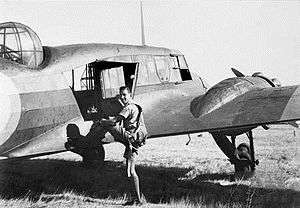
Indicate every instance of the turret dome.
{"type": "Point", "coordinates": [21, 44]}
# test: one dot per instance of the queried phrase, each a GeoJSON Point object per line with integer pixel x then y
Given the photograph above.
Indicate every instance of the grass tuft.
{"type": "Point", "coordinates": [171, 175]}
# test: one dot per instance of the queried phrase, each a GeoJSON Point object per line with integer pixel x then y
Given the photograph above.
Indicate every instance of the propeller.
{"type": "Point", "coordinates": [237, 73]}
{"type": "Point", "coordinates": [273, 82]}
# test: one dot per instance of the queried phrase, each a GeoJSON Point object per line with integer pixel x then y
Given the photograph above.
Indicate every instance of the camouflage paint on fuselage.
{"type": "Point", "coordinates": [41, 102]}
{"type": "Point", "coordinates": [166, 107]}
{"type": "Point", "coordinates": [47, 104]}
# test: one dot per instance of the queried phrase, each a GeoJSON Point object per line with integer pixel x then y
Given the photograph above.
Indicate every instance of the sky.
{"type": "Point", "coordinates": [251, 36]}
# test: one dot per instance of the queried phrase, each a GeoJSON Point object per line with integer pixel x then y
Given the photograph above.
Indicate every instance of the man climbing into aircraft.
{"type": "Point", "coordinates": [127, 128]}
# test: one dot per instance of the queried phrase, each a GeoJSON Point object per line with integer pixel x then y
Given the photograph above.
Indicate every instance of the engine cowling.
{"type": "Point", "coordinates": [224, 92]}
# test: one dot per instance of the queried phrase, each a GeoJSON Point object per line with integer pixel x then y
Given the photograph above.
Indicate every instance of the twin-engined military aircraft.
{"type": "Point", "coordinates": [43, 89]}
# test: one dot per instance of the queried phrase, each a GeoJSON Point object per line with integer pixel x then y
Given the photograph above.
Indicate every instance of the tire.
{"type": "Point", "coordinates": [244, 158]}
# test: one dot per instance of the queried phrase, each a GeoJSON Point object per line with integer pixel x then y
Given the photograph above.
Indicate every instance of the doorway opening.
{"type": "Point", "coordinates": [100, 84]}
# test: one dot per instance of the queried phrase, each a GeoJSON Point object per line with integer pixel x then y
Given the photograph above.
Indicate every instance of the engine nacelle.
{"type": "Point", "coordinates": [224, 92]}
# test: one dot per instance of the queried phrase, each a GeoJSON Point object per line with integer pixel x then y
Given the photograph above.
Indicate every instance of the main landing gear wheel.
{"type": "Point", "coordinates": [244, 159]}
{"type": "Point", "coordinates": [241, 157]}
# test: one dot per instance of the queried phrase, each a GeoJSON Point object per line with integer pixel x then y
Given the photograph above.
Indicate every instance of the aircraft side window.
{"type": "Point", "coordinates": [175, 62]}
{"type": "Point", "coordinates": [87, 79]}
{"type": "Point", "coordinates": [143, 78]}
{"type": "Point", "coordinates": [182, 62]}
{"type": "Point", "coordinates": [112, 79]}
{"type": "Point", "coordinates": [183, 67]}
{"type": "Point", "coordinates": [175, 73]}
{"type": "Point", "coordinates": [147, 70]}
{"type": "Point", "coordinates": [151, 71]}
{"type": "Point", "coordinates": [163, 68]}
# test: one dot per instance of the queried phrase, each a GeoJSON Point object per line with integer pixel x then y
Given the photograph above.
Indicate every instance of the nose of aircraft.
{"type": "Point", "coordinates": [10, 107]}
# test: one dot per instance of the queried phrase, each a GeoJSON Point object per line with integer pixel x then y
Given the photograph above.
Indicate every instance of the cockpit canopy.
{"type": "Point", "coordinates": [21, 44]}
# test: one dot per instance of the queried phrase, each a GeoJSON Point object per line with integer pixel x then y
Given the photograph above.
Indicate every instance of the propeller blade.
{"type": "Point", "coordinates": [237, 73]}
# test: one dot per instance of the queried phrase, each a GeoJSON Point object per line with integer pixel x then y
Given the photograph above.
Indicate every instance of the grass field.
{"type": "Point", "coordinates": [171, 175]}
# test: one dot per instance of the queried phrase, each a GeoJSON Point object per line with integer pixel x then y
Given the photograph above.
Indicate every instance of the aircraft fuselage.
{"type": "Point", "coordinates": [40, 103]}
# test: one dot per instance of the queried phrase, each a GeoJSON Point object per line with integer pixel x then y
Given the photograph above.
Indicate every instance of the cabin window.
{"type": "Point", "coordinates": [175, 72]}
{"type": "Point", "coordinates": [147, 70]}
{"type": "Point", "coordinates": [87, 81]}
{"type": "Point", "coordinates": [182, 62]}
{"type": "Point", "coordinates": [182, 66]}
{"type": "Point", "coordinates": [163, 67]}
{"type": "Point", "coordinates": [111, 80]}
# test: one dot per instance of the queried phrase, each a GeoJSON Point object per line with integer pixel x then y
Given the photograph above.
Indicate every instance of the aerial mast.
{"type": "Point", "coordinates": [142, 25]}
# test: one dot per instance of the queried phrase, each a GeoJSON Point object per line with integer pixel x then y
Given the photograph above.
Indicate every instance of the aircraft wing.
{"type": "Point", "coordinates": [256, 107]}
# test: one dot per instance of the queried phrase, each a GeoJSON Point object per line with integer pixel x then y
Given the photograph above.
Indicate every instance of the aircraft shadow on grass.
{"type": "Point", "coordinates": [31, 178]}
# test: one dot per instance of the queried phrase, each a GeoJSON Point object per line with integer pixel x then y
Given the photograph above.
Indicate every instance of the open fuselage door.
{"type": "Point", "coordinates": [100, 84]}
